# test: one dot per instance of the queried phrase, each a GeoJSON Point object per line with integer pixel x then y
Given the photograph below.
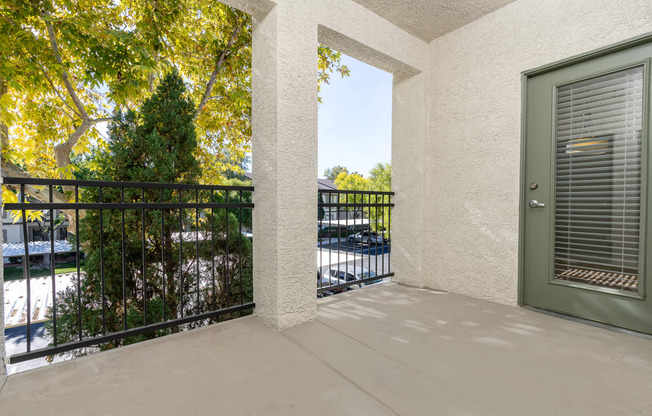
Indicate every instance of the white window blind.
{"type": "Point", "coordinates": [598, 180]}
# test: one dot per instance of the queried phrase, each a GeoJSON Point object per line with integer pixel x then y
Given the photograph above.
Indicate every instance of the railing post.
{"type": "Point", "coordinates": [284, 156]}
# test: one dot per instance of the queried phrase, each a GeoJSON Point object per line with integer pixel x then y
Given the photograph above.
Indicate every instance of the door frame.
{"type": "Point", "coordinates": [525, 75]}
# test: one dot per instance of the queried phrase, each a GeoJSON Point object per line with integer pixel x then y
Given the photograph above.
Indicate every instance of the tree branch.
{"type": "Point", "coordinates": [217, 97]}
{"type": "Point", "coordinates": [63, 110]}
{"type": "Point", "coordinates": [216, 70]}
{"type": "Point", "coordinates": [64, 73]}
{"type": "Point", "coordinates": [56, 91]}
{"type": "Point", "coordinates": [4, 129]}
{"type": "Point", "coordinates": [62, 150]}
{"type": "Point", "coordinates": [101, 120]}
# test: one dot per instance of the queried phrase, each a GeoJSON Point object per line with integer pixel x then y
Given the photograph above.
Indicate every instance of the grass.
{"type": "Point", "coordinates": [16, 273]}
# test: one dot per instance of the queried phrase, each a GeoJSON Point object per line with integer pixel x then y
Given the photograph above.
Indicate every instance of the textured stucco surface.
{"type": "Point", "coordinates": [284, 164]}
{"type": "Point", "coordinates": [356, 31]}
{"type": "Point", "coordinates": [409, 173]}
{"type": "Point", "coordinates": [258, 9]}
{"type": "Point", "coordinates": [284, 145]}
{"type": "Point", "coordinates": [474, 130]}
{"type": "Point", "coordinates": [429, 19]}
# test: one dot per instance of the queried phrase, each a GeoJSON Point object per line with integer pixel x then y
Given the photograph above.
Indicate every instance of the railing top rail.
{"type": "Point", "coordinates": [343, 191]}
{"type": "Point", "coordinates": [354, 205]}
{"type": "Point", "coordinates": [109, 184]}
{"type": "Point", "coordinates": [19, 206]}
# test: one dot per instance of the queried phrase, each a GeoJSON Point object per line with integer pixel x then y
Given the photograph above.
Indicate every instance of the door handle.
{"type": "Point", "coordinates": [536, 204]}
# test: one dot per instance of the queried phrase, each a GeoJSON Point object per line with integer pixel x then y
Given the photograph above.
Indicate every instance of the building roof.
{"type": "Point", "coordinates": [322, 184]}
{"type": "Point", "coordinates": [326, 184]}
{"type": "Point", "coordinates": [35, 248]}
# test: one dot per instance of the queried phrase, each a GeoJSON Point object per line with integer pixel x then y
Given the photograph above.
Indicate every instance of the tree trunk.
{"type": "Point", "coordinates": [41, 194]}
{"type": "Point", "coordinates": [11, 170]}
{"type": "Point", "coordinates": [4, 129]}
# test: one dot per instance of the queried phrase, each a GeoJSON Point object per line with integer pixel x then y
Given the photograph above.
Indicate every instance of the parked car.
{"type": "Point", "coordinates": [332, 231]}
{"type": "Point", "coordinates": [367, 237]}
{"type": "Point", "coordinates": [335, 277]}
{"type": "Point", "coordinates": [385, 236]}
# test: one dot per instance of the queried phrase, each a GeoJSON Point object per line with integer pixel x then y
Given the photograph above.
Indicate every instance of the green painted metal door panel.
{"type": "Point", "coordinates": [544, 286]}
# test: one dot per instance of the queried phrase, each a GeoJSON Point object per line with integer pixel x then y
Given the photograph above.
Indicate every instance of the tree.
{"type": "Point", "coordinates": [234, 197]}
{"type": "Point", "coordinates": [321, 212]}
{"type": "Point", "coordinates": [156, 144]}
{"type": "Point", "coordinates": [381, 177]}
{"type": "Point", "coordinates": [379, 181]}
{"type": "Point", "coordinates": [329, 62]}
{"type": "Point", "coordinates": [44, 225]}
{"type": "Point", "coordinates": [352, 182]}
{"type": "Point", "coordinates": [241, 168]}
{"type": "Point", "coordinates": [68, 65]}
{"type": "Point", "coordinates": [333, 173]}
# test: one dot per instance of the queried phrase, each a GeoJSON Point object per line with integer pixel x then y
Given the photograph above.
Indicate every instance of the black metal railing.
{"type": "Point", "coordinates": [149, 259]}
{"type": "Point", "coordinates": [354, 239]}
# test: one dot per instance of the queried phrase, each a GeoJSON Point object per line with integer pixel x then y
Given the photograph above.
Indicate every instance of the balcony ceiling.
{"type": "Point", "coordinates": [430, 19]}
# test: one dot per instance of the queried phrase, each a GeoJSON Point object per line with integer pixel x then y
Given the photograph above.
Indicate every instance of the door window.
{"type": "Point", "coordinates": [598, 130]}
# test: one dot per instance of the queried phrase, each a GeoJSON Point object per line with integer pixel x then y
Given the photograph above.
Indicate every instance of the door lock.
{"type": "Point", "coordinates": [536, 204]}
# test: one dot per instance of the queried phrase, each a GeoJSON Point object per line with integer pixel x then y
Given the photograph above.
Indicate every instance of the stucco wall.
{"type": "Point", "coordinates": [473, 147]}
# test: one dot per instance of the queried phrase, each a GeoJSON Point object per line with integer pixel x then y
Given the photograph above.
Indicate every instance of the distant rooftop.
{"type": "Point", "coordinates": [323, 184]}
{"type": "Point", "coordinates": [326, 184]}
{"type": "Point", "coordinates": [35, 248]}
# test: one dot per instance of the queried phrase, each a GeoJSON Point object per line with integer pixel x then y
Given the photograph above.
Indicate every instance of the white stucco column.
{"type": "Point", "coordinates": [409, 144]}
{"type": "Point", "coordinates": [284, 165]}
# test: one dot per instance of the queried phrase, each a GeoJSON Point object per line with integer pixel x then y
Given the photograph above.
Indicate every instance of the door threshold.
{"type": "Point", "coordinates": [591, 323]}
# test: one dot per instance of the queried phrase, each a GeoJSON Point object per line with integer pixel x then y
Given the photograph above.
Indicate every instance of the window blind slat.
{"type": "Point", "coordinates": [619, 168]}
{"type": "Point", "coordinates": [588, 269]}
{"type": "Point", "coordinates": [629, 150]}
{"type": "Point", "coordinates": [565, 243]}
{"type": "Point", "coordinates": [612, 81]}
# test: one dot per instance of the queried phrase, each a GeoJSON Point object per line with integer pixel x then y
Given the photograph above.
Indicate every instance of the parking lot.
{"type": "Point", "coordinates": [358, 248]}
{"type": "Point", "coordinates": [349, 256]}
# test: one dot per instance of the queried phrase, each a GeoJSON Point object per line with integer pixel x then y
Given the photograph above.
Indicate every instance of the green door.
{"type": "Point", "coordinates": [586, 233]}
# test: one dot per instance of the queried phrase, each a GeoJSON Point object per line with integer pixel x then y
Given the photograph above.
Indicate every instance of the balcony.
{"type": "Point", "coordinates": [445, 332]}
{"type": "Point", "coordinates": [387, 349]}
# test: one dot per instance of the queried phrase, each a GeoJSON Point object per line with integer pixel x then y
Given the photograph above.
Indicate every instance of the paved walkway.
{"type": "Point", "coordinates": [384, 350]}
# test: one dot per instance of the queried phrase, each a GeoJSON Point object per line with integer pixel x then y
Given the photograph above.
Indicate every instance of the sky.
{"type": "Point", "coordinates": [355, 119]}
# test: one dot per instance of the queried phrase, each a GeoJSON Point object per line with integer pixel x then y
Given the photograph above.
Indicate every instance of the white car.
{"type": "Point", "coordinates": [335, 277]}
{"type": "Point", "coordinates": [366, 237]}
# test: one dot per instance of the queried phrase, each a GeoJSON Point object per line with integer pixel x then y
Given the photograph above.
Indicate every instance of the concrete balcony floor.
{"type": "Point", "coordinates": [385, 350]}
